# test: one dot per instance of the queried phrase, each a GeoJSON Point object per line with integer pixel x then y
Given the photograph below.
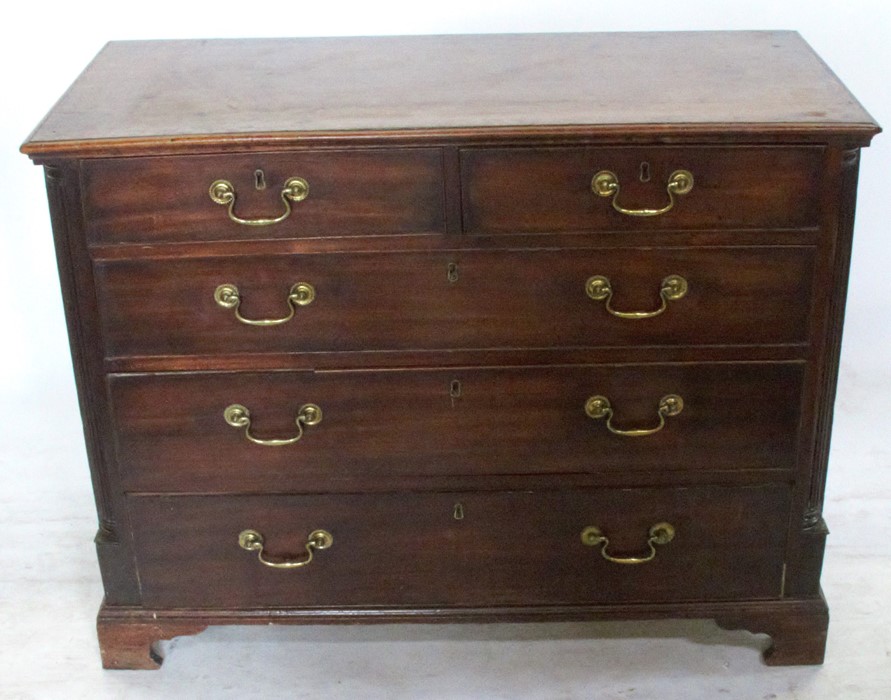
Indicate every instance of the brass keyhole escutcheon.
{"type": "Point", "coordinates": [458, 511]}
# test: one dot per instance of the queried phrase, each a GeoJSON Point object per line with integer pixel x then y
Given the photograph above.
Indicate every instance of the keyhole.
{"type": "Point", "coordinates": [452, 272]}
{"type": "Point", "coordinates": [458, 512]}
{"type": "Point", "coordinates": [454, 391]}
{"type": "Point", "coordinates": [259, 179]}
{"type": "Point", "coordinates": [645, 172]}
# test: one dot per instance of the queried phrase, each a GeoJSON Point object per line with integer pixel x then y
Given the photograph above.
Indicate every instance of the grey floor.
{"type": "Point", "coordinates": [50, 590]}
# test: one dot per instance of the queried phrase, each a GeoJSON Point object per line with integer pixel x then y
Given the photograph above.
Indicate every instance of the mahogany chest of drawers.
{"type": "Point", "coordinates": [456, 328]}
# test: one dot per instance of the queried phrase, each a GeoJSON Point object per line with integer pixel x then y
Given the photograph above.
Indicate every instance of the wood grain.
{"type": "Point", "coordinates": [510, 548]}
{"type": "Point", "coordinates": [171, 435]}
{"type": "Point", "coordinates": [500, 299]}
{"type": "Point", "coordinates": [158, 200]}
{"type": "Point", "coordinates": [797, 626]}
{"type": "Point", "coordinates": [522, 190]}
{"type": "Point", "coordinates": [173, 95]}
{"type": "Point", "coordinates": [112, 540]}
{"type": "Point", "coordinates": [474, 153]}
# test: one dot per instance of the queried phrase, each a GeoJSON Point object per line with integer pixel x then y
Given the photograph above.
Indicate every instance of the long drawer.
{"type": "Point", "coordinates": [458, 299]}
{"type": "Point", "coordinates": [531, 190]}
{"type": "Point", "coordinates": [346, 193]}
{"type": "Point", "coordinates": [455, 549]}
{"type": "Point", "coordinates": [174, 434]}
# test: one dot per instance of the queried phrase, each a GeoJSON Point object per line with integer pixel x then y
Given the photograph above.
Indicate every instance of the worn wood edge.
{"type": "Point", "coordinates": [828, 367]}
{"type": "Point", "coordinates": [856, 133]}
{"type": "Point", "coordinates": [458, 359]}
{"type": "Point", "coordinates": [62, 98]}
{"type": "Point", "coordinates": [116, 563]}
{"type": "Point", "coordinates": [797, 636]}
{"type": "Point", "coordinates": [616, 611]}
{"type": "Point", "coordinates": [409, 484]}
{"type": "Point", "coordinates": [127, 634]}
{"type": "Point", "coordinates": [132, 644]}
{"type": "Point", "coordinates": [437, 242]}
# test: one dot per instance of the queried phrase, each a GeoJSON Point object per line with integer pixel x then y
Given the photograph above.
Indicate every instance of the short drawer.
{"type": "Point", "coordinates": [384, 429]}
{"type": "Point", "coordinates": [530, 190]}
{"type": "Point", "coordinates": [456, 299]}
{"type": "Point", "coordinates": [507, 548]}
{"type": "Point", "coordinates": [350, 193]}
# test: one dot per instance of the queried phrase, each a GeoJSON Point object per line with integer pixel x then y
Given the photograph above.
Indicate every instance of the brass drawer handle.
{"type": "Point", "coordinates": [296, 189]}
{"type": "Point", "coordinates": [660, 533]}
{"type": "Point", "coordinates": [598, 408]}
{"type": "Point", "coordinates": [228, 296]}
{"type": "Point", "coordinates": [252, 541]}
{"type": "Point", "coordinates": [673, 287]}
{"type": "Point", "coordinates": [606, 184]}
{"type": "Point", "coordinates": [239, 416]}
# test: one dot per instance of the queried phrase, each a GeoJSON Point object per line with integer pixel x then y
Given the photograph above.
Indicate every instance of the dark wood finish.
{"type": "Point", "coordinates": [476, 151]}
{"type": "Point", "coordinates": [361, 192]}
{"type": "Point", "coordinates": [112, 538]}
{"type": "Point", "coordinates": [459, 357]}
{"type": "Point", "coordinates": [798, 625]}
{"type": "Point", "coordinates": [171, 435]}
{"type": "Point", "coordinates": [381, 301]}
{"type": "Point", "coordinates": [549, 189]}
{"type": "Point", "coordinates": [131, 645]}
{"type": "Point", "coordinates": [806, 545]}
{"type": "Point", "coordinates": [273, 92]}
{"type": "Point", "coordinates": [438, 243]}
{"type": "Point", "coordinates": [796, 640]}
{"type": "Point", "coordinates": [834, 311]}
{"type": "Point", "coordinates": [517, 548]}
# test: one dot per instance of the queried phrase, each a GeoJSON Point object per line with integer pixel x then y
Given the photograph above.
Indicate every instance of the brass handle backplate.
{"type": "Point", "coordinates": [598, 408]}
{"type": "Point", "coordinates": [228, 296]}
{"type": "Point", "coordinates": [673, 287]}
{"type": "Point", "coordinates": [239, 416]}
{"type": "Point", "coordinates": [252, 541]}
{"type": "Point", "coordinates": [296, 189]}
{"type": "Point", "coordinates": [606, 184]}
{"type": "Point", "coordinates": [660, 533]}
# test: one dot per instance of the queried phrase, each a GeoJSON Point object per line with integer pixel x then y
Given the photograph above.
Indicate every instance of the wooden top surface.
{"type": "Point", "coordinates": [167, 95]}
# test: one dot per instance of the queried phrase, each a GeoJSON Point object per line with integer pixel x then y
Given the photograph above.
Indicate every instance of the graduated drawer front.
{"type": "Point", "coordinates": [527, 190]}
{"type": "Point", "coordinates": [351, 193]}
{"type": "Point", "coordinates": [398, 427]}
{"type": "Point", "coordinates": [509, 548]}
{"type": "Point", "coordinates": [406, 301]}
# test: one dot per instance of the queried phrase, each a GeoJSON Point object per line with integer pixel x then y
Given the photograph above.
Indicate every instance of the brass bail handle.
{"type": "Point", "coordinates": [252, 541]}
{"type": "Point", "coordinates": [660, 533]}
{"type": "Point", "coordinates": [228, 296]}
{"type": "Point", "coordinates": [606, 184]}
{"type": "Point", "coordinates": [239, 416]}
{"type": "Point", "coordinates": [672, 288]}
{"type": "Point", "coordinates": [598, 408]}
{"type": "Point", "coordinates": [296, 189]}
